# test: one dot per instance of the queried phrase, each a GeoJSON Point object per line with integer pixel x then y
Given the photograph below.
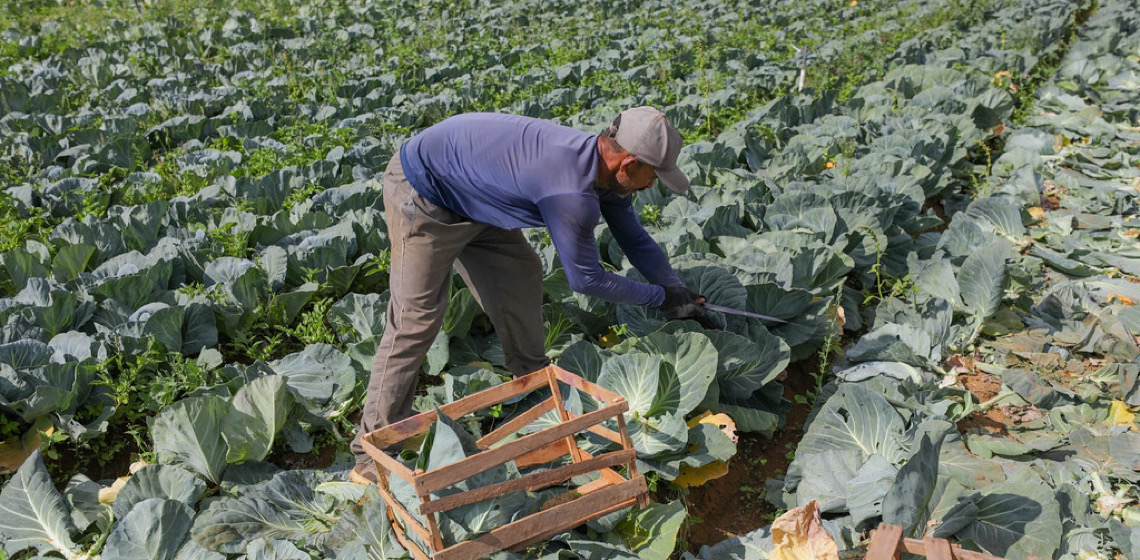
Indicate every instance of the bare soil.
{"type": "Point", "coordinates": [735, 504]}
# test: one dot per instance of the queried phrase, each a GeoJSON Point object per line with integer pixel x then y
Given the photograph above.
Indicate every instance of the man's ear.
{"type": "Point", "coordinates": [627, 161]}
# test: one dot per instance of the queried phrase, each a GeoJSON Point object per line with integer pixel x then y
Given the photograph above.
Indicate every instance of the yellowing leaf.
{"type": "Point", "coordinates": [1119, 298]}
{"type": "Point", "coordinates": [799, 535]}
{"type": "Point", "coordinates": [853, 3]}
{"type": "Point", "coordinates": [1119, 414]}
{"type": "Point", "coordinates": [722, 421]}
{"type": "Point", "coordinates": [107, 494]}
{"type": "Point", "coordinates": [15, 450]}
{"type": "Point", "coordinates": [1036, 211]}
{"type": "Point", "coordinates": [696, 476]}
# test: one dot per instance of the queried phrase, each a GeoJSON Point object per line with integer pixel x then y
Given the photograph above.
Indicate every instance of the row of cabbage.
{"type": "Point", "coordinates": [122, 274]}
{"type": "Point", "coordinates": [1048, 267]}
{"type": "Point", "coordinates": [832, 200]}
{"type": "Point", "coordinates": [129, 278]}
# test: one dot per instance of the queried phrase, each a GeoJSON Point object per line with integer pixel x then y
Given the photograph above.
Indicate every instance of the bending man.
{"type": "Point", "coordinates": [457, 195]}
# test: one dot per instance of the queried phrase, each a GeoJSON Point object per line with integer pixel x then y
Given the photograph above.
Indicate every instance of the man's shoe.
{"type": "Point", "coordinates": [363, 474]}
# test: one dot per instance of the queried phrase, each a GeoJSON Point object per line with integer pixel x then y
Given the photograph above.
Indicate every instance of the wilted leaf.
{"type": "Point", "coordinates": [798, 534]}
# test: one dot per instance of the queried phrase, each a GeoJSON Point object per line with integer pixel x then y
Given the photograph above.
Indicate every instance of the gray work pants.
{"type": "Point", "coordinates": [502, 270]}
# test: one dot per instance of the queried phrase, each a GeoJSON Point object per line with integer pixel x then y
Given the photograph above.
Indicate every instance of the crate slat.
{"type": "Point", "coordinates": [938, 549]}
{"type": "Point", "coordinates": [466, 468]}
{"type": "Point", "coordinates": [591, 388]}
{"type": "Point", "coordinates": [515, 424]}
{"type": "Point", "coordinates": [884, 542]}
{"type": "Point", "coordinates": [399, 431]}
{"type": "Point", "coordinates": [547, 523]}
{"type": "Point", "coordinates": [888, 543]}
{"type": "Point", "coordinates": [530, 482]}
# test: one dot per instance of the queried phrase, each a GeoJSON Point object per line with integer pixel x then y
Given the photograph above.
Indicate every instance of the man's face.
{"type": "Point", "coordinates": [634, 176]}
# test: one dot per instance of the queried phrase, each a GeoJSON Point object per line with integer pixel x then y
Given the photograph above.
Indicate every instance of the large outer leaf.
{"type": "Point", "coordinates": [826, 478]}
{"type": "Point", "coordinates": [154, 529]}
{"type": "Point", "coordinates": [716, 284]}
{"type": "Point", "coordinates": [658, 435]}
{"type": "Point", "coordinates": [982, 278]}
{"type": "Point", "coordinates": [189, 433]}
{"type": "Point", "coordinates": [634, 376]}
{"type": "Point", "coordinates": [856, 418]}
{"type": "Point", "coordinates": [583, 359]}
{"type": "Point", "coordinates": [908, 503]}
{"type": "Point", "coordinates": [320, 374]}
{"type": "Point", "coordinates": [744, 365]}
{"type": "Point", "coordinates": [25, 354]}
{"type": "Point", "coordinates": [33, 513]}
{"type": "Point", "coordinates": [694, 360]}
{"type": "Point", "coordinates": [1007, 520]}
{"type": "Point", "coordinates": [158, 481]}
{"type": "Point", "coordinates": [935, 277]}
{"type": "Point", "coordinates": [370, 531]}
{"type": "Point", "coordinates": [285, 507]}
{"type": "Point", "coordinates": [651, 532]}
{"type": "Point", "coordinates": [1003, 214]}
{"type": "Point", "coordinates": [866, 490]}
{"type": "Point", "coordinates": [257, 413]}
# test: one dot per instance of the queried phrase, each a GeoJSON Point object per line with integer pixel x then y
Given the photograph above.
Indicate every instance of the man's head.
{"type": "Point", "coordinates": [646, 134]}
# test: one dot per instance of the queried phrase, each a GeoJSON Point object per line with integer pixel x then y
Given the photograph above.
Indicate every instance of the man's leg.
{"type": "Point", "coordinates": [505, 275]}
{"type": "Point", "coordinates": [426, 240]}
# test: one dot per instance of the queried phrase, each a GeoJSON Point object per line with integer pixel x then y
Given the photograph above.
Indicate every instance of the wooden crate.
{"type": "Point", "coordinates": [887, 543]}
{"type": "Point", "coordinates": [609, 493]}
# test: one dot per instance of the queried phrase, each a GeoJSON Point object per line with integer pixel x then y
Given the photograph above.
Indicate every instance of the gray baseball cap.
{"type": "Point", "coordinates": [647, 134]}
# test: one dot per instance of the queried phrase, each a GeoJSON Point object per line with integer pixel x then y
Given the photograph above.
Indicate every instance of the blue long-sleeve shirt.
{"type": "Point", "coordinates": [513, 172]}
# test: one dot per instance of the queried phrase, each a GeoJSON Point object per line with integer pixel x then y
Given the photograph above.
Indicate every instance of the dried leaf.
{"type": "Point", "coordinates": [799, 535]}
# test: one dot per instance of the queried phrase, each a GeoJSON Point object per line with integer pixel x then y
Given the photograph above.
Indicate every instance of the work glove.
{"type": "Point", "coordinates": [681, 303]}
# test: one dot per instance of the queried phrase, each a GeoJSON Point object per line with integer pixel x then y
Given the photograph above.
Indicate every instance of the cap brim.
{"type": "Point", "coordinates": [674, 179]}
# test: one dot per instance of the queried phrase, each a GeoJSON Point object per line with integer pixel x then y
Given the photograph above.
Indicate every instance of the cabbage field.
{"type": "Point", "coordinates": [941, 199]}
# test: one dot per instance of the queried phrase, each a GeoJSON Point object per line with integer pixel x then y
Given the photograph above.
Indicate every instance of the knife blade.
{"type": "Point", "coordinates": [723, 309]}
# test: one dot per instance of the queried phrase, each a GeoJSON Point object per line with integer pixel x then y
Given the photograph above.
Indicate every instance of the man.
{"type": "Point", "coordinates": [458, 194]}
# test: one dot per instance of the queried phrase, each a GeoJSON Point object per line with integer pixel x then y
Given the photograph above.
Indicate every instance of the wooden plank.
{"type": "Point", "coordinates": [405, 517]}
{"type": "Point", "coordinates": [595, 485]}
{"type": "Point", "coordinates": [545, 454]}
{"type": "Point", "coordinates": [627, 443]}
{"type": "Point", "coordinates": [399, 431]}
{"type": "Point", "coordinates": [938, 549]}
{"type": "Point", "coordinates": [383, 460]}
{"type": "Point", "coordinates": [607, 474]}
{"type": "Point", "coordinates": [515, 424]}
{"type": "Point", "coordinates": [589, 387]}
{"type": "Point", "coordinates": [530, 482]}
{"type": "Point", "coordinates": [492, 396]}
{"type": "Point", "coordinates": [884, 542]}
{"type": "Point", "coordinates": [915, 546]}
{"type": "Point", "coordinates": [545, 524]}
{"type": "Point", "coordinates": [407, 543]}
{"type": "Point", "coordinates": [463, 469]}
{"type": "Point", "coordinates": [556, 394]}
{"type": "Point", "coordinates": [521, 546]}
{"type": "Point", "coordinates": [607, 433]}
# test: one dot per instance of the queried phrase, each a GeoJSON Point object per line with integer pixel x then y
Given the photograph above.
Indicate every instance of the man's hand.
{"type": "Point", "coordinates": [682, 303]}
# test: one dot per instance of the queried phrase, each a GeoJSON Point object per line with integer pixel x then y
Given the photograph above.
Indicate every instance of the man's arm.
{"type": "Point", "coordinates": [639, 247]}
{"type": "Point", "coordinates": [571, 220]}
